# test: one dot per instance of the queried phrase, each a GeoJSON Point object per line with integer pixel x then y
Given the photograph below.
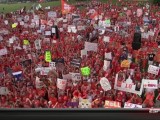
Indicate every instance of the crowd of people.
{"type": "Point", "coordinates": [88, 58]}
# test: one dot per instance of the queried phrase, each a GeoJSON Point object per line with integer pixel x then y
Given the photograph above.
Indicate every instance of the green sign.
{"type": "Point", "coordinates": [108, 21]}
{"type": "Point", "coordinates": [85, 71]}
{"type": "Point", "coordinates": [48, 57]}
{"type": "Point", "coordinates": [25, 42]}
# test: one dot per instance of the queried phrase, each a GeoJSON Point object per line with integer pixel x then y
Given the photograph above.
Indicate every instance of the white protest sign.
{"type": "Point", "coordinates": [6, 22]}
{"type": "Point", "coordinates": [105, 84]}
{"type": "Point", "coordinates": [38, 83]}
{"type": "Point", "coordinates": [3, 51]}
{"type": "Point", "coordinates": [45, 70]}
{"type": "Point", "coordinates": [131, 105]}
{"type": "Point", "coordinates": [127, 86]}
{"type": "Point", "coordinates": [52, 14]}
{"type": "Point", "coordinates": [83, 52]}
{"type": "Point", "coordinates": [47, 32]}
{"type": "Point", "coordinates": [42, 27]}
{"type": "Point", "coordinates": [37, 44]}
{"type": "Point", "coordinates": [151, 84]}
{"type": "Point", "coordinates": [145, 35]}
{"type": "Point", "coordinates": [91, 46]}
{"type": "Point", "coordinates": [4, 91]}
{"type": "Point", "coordinates": [108, 55]}
{"type": "Point", "coordinates": [11, 40]}
{"type": "Point", "coordinates": [53, 30]}
{"type": "Point", "coordinates": [52, 65]}
{"type": "Point", "coordinates": [75, 76]}
{"type": "Point", "coordinates": [106, 65]}
{"type": "Point", "coordinates": [61, 84]}
{"type": "Point", "coordinates": [22, 23]}
{"type": "Point", "coordinates": [106, 38]}
{"type": "Point", "coordinates": [153, 69]}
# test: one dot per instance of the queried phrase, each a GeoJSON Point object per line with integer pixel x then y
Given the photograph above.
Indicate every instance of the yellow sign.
{"type": "Point", "coordinates": [112, 104]}
{"type": "Point", "coordinates": [48, 57]}
{"type": "Point", "coordinates": [14, 25]}
{"type": "Point", "coordinates": [125, 63]}
{"type": "Point", "coordinates": [25, 42]}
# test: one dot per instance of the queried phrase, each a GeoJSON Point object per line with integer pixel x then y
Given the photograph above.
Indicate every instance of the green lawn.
{"type": "Point", "coordinates": [17, 6]}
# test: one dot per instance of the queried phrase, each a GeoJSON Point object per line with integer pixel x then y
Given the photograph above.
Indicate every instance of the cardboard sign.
{"type": "Point", "coordinates": [151, 84]}
{"type": "Point", "coordinates": [75, 76]}
{"type": "Point", "coordinates": [106, 38]}
{"type": "Point", "coordinates": [48, 56]}
{"type": "Point", "coordinates": [3, 51]}
{"type": "Point", "coordinates": [131, 105]}
{"type": "Point", "coordinates": [45, 70]}
{"type": "Point", "coordinates": [105, 84]}
{"type": "Point", "coordinates": [125, 63]}
{"type": "Point", "coordinates": [112, 104]}
{"type": "Point", "coordinates": [61, 84]}
{"type": "Point", "coordinates": [85, 71]}
{"type": "Point", "coordinates": [127, 86]}
{"type": "Point", "coordinates": [76, 62]}
{"type": "Point", "coordinates": [91, 46]}
{"type": "Point", "coordinates": [153, 69]}
{"type": "Point", "coordinates": [4, 91]}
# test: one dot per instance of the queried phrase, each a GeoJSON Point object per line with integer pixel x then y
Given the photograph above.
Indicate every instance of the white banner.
{"type": "Point", "coordinates": [152, 84]}
{"type": "Point", "coordinates": [61, 84]}
{"type": "Point", "coordinates": [130, 105]}
{"type": "Point", "coordinates": [91, 46]}
{"type": "Point", "coordinates": [153, 69]}
{"type": "Point", "coordinates": [3, 51]}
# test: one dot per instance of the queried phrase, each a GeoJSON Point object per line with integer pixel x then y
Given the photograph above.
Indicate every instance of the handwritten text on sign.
{"type": "Point", "coordinates": [112, 104]}
{"type": "Point", "coordinates": [153, 69]}
{"type": "Point", "coordinates": [130, 105]}
{"type": "Point", "coordinates": [153, 84]}
{"type": "Point", "coordinates": [61, 84]}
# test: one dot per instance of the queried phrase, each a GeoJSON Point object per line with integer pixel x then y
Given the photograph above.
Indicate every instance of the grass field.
{"type": "Point", "coordinates": [17, 6]}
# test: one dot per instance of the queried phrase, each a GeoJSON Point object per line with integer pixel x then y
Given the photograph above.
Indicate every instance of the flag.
{"type": "Point", "coordinates": [66, 8]}
{"type": "Point", "coordinates": [17, 74]}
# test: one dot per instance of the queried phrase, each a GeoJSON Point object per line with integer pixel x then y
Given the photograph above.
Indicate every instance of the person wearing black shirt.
{"type": "Point", "coordinates": [151, 58]}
